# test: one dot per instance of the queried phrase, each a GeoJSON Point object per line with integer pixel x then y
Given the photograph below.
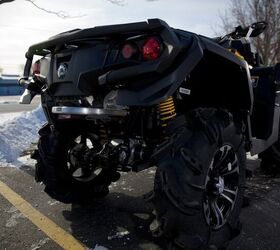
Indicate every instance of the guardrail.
{"type": "Point", "coordinates": [9, 85]}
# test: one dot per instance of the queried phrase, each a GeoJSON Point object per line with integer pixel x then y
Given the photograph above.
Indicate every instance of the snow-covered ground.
{"type": "Point", "coordinates": [17, 131]}
{"type": "Point", "coordinates": [6, 117]}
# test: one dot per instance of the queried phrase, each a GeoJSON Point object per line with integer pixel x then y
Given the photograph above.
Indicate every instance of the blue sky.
{"type": "Point", "coordinates": [21, 24]}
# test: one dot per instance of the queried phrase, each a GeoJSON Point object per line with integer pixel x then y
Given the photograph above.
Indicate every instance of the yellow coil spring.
{"type": "Point", "coordinates": [167, 111]}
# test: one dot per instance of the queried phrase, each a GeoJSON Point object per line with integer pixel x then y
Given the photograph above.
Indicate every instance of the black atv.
{"type": "Point", "coordinates": [128, 97]}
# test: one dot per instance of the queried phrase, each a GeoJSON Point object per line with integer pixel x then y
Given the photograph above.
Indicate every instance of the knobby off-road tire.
{"type": "Point", "coordinates": [199, 183]}
{"type": "Point", "coordinates": [52, 169]}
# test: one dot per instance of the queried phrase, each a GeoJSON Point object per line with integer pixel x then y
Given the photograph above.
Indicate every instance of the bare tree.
{"type": "Point", "coordinates": [117, 2]}
{"type": "Point", "coordinates": [61, 14]}
{"type": "Point", "coordinates": [247, 12]}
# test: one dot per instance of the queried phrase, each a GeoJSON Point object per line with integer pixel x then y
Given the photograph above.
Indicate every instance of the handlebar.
{"type": "Point", "coordinates": [33, 84]}
{"type": "Point", "coordinates": [24, 82]}
{"type": "Point", "coordinates": [253, 30]}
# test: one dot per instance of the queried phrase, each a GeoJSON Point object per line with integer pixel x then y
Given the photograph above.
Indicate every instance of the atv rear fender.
{"type": "Point", "coordinates": [214, 76]}
{"type": "Point", "coordinates": [218, 78]}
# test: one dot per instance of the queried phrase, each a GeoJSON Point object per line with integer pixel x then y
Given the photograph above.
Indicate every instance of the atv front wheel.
{"type": "Point", "coordinates": [199, 183]}
{"type": "Point", "coordinates": [61, 167]}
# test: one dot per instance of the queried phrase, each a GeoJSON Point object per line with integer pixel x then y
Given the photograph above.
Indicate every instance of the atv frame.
{"type": "Point", "coordinates": [191, 105]}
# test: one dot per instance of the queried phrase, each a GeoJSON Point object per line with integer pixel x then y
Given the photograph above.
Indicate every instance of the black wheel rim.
{"type": "Point", "coordinates": [221, 187]}
{"type": "Point", "coordinates": [83, 172]}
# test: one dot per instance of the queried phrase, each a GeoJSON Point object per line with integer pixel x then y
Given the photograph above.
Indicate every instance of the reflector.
{"type": "Point", "coordinates": [129, 51]}
{"type": "Point", "coordinates": [151, 49]}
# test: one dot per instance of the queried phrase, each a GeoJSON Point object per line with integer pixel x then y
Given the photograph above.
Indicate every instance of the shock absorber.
{"type": "Point", "coordinates": [102, 132]}
{"type": "Point", "coordinates": [167, 111]}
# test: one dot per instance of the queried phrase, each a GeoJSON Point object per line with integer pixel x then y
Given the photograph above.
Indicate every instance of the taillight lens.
{"type": "Point", "coordinates": [151, 49]}
{"type": "Point", "coordinates": [36, 67]}
{"type": "Point", "coordinates": [129, 51]}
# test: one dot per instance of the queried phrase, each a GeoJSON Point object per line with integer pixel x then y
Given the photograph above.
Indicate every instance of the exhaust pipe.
{"type": "Point", "coordinates": [91, 112]}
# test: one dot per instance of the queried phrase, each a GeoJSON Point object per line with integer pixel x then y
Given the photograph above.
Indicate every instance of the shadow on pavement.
{"type": "Point", "coordinates": [117, 222]}
{"type": "Point", "coordinates": [261, 219]}
{"type": "Point", "coordinates": [121, 220]}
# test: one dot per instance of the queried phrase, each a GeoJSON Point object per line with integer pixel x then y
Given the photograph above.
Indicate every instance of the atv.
{"type": "Point", "coordinates": [129, 97]}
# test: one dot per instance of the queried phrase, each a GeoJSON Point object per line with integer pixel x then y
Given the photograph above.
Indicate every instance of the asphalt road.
{"type": "Point", "coordinates": [10, 104]}
{"type": "Point", "coordinates": [121, 220]}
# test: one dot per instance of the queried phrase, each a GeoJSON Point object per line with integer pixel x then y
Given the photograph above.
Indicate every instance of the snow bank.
{"type": "Point", "coordinates": [17, 133]}
{"type": "Point", "coordinates": [6, 117]}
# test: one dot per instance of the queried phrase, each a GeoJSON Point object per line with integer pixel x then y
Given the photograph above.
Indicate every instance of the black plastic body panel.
{"type": "Point", "coordinates": [218, 78]}
{"type": "Point", "coordinates": [234, 80]}
{"type": "Point", "coordinates": [144, 83]}
{"type": "Point", "coordinates": [160, 89]}
{"type": "Point", "coordinates": [88, 66]}
{"type": "Point", "coordinates": [78, 63]}
{"type": "Point", "coordinates": [55, 42]}
{"type": "Point", "coordinates": [265, 119]}
{"type": "Point", "coordinates": [264, 96]}
{"type": "Point", "coordinates": [260, 145]}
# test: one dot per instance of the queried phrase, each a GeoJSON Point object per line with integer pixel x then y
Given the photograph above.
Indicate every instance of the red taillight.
{"type": "Point", "coordinates": [129, 51]}
{"type": "Point", "coordinates": [36, 68]}
{"type": "Point", "coordinates": [151, 49]}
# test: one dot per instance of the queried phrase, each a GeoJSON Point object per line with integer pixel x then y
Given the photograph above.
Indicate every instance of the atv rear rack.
{"type": "Point", "coordinates": [56, 42]}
